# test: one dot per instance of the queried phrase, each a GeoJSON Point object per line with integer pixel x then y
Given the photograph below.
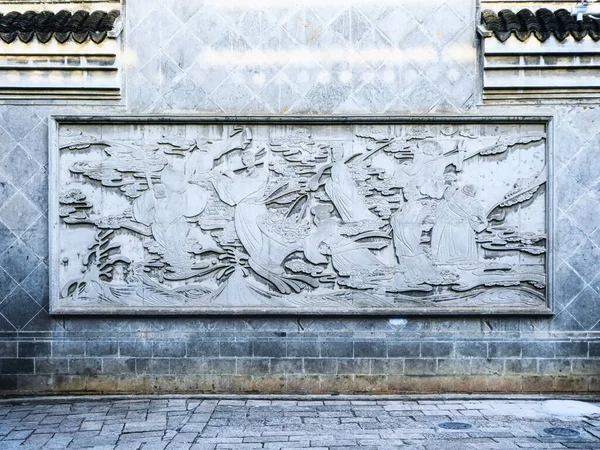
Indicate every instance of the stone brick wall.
{"type": "Point", "coordinates": [277, 356]}
{"type": "Point", "coordinates": [332, 57]}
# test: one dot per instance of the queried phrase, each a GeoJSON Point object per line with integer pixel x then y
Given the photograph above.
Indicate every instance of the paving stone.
{"type": "Point", "coordinates": [286, 424]}
{"type": "Point", "coordinates": [136, 427]}
{"type": "Point", "coordinates": [59, 441]}
{"type": "Point", "coordinates": [18, 435]}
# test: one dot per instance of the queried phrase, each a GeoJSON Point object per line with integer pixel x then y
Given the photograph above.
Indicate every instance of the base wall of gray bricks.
{"type": "Point", "coordinates": [236, 361]}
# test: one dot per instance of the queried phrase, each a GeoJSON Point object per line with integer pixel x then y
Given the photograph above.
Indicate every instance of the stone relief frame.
{"type": "Point", "coordinates": [341, 234]}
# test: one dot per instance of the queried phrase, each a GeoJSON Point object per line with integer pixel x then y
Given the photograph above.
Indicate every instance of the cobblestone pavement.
{"type": "Point", "coordinates": [157, 423]}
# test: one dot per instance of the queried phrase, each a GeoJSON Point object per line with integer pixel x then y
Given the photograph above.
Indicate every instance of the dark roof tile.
{"type": "Point", "coordinates": [63, 25]}
{"type": "Point", "coordinates": [542, 23]}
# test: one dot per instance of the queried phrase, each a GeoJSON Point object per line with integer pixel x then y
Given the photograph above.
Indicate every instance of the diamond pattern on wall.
{"type": "Point", "coordinates": [393, 58]}
{"type": "Point", "coordinates": [577, 234]}
{"type": "Point", "coordinates": [19, 214]}
{"type": "Point", "coordinates": [19, 308]}
{"type": "Point", "coordinates": [585, 308]}
{"type": "Point", "coordinates": [232, 52]}
{"type": "Point", "coordinates": [23, 221]}
{"type": "Point", "coordinates": [7, 143]}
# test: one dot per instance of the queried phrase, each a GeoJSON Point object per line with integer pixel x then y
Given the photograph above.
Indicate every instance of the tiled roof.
{"type": "Point", "coordinates": [62, 25]}
{"type": "Point", "coordinates": [542, 23]}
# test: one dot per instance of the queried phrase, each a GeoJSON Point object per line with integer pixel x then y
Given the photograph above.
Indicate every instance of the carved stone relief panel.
{"type": "Point", "coordinates": [299, 215]}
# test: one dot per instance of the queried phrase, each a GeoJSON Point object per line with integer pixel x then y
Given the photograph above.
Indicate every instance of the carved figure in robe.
{"type": "Point", "coordinates": [202, 159]}
{"type": "Point", "coordinates": [427, 168]}
{"type": "Point", "coordinates": [164, 208]}
{"type": "Point", "coordinates": [348, 257]}
{"type": "Point", "coordinates": [459, 217]}
{"type": "Point", "coordinates": [245, 190]}
{"type": "Point", "coordinates": [200, 162]}
{"type": "Point", "coordinates": [343, 192]}
{"type": "Point", "coordinates": [408, 224]}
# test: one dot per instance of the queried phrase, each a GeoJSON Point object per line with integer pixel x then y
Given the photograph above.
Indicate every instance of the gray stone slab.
{"type": "Point", "coordinates": [324, 190]}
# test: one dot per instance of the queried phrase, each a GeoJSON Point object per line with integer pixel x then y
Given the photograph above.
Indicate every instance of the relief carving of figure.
{"type": "Point", "coordinates": [427, 168]}
{"type": "Point", "coordinates": [164, 207]}
{"type": "Point", "coordinates": [214, 217]}
{"type": "Point", "coordinates": [408, 224]}
{"type": "Point", "coordinates": [245, 189]}
{"type": "Point", "coordinates": [459, 217]}
{"type": "Point", "coordinates": [349, 257]}
{"type": "Point", "coordinates": [342, 190]}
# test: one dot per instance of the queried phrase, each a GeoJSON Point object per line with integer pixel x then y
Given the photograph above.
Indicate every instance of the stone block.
{"type": "Point", "coordinates": [471, 349]}
{"type": "Point", "coordinates": [487, 366]}
{"type": "Point", "coordinates": [164, 349]}
{"type": "Point", "coordinates": [337, 349]}
{"type": "Point", "coordinates": [286, 365]}
{"type": "Point", "coordinates": [197, 348]}
{"type": "Point", "coordinates": [10, 366]}
{"type": "Point", "coordinates": [523, 365]}
{"type": "Point", "coordinates": [533, 384]}
{"type": "Point", "coordinates": [221, 365]}
{"type": "Point", "coordinates": [236, 348]}
{"type": "Point", "coordinates": [252, 366]}
{"type": "Point", "coordinates": [118, 366]}
{"type": "Point", "coordinates": [347, 366]}
{"type": "Point", "coordinates": [504, 349]}
{"type": "Point", "coordinates": [88, 366]}
{"type": "Point", "coordinates": [382, 366]}
{"type": "Point", "coordinates": [572, 349]}
{"type": "Point", "coordinates": [303, 348]}
{"type": "Point", "coordinates": [422, 367]}
{"type": "Point", "coordinates": [569, 384]}
{"type": "Point", "coordinates": [585, 366]}
{"type": "Point", "coordinates": [403, 349]}
{"type": "Point", "coordinates": [34, 383]}
{"type": "Point", "coordinates": [437, 349]}
{"type": "Point", "coordinates": [151, 366]}
{"type": "Point", "coordinates": [271, 349]}
{"type": "Point", "coordinates": [370, 349]}
{"type": "Point", "coordinates": [68, 348]}
{"type": "Point", "coordinates": [34, 349]}
{"type": "Point", "coordinates": [533, 349]}
{"type": "Point", "coordinates": [51, 365]}
{"type": "Point", "coordinates": [138, 349]}
{"type": "Point", "coordinates": [320, 365]}
{"type": "Point", "coordinates": [549, 367]}
{"type": "Point", "coordinates": [594, 385]}
{"type": "Point", "coordinates": [8, 349]}
{"type": "Point", "coordinates": [102, 348]}
{"type": "Point", "coordinates": [447, 366]}
{"type": "Point", "coordinates": [370, 384]}
{"type": "Point", "coordinates": [8, 382]}
{"type": "Point", "coordinates": [188, 366]}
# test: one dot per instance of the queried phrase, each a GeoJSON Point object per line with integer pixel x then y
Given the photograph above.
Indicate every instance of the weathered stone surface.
{"type": "Point", "coordinates": [259, 216]}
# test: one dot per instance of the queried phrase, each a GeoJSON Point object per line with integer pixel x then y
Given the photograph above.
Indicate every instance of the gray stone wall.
{"type": "Point", "coordinates": [329, 57]}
